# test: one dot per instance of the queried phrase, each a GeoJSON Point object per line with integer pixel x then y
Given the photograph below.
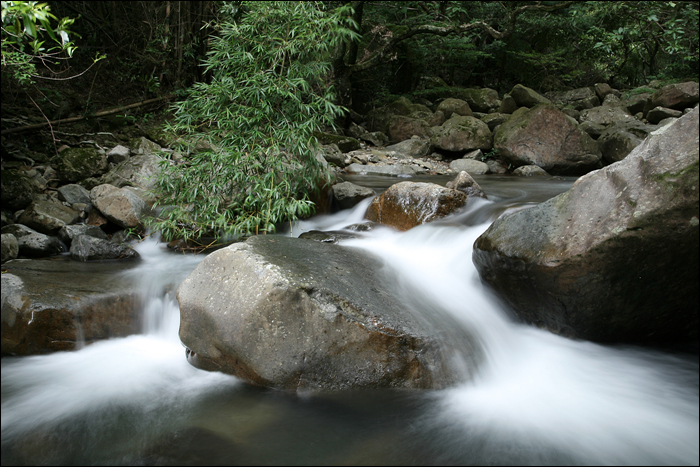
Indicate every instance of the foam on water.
{"type": "Point", "coordinates": [592, 403]}
{"type": "Point", "coordinates": [535, 398]}
{"type": "Point", "coordinates": [144, 371]}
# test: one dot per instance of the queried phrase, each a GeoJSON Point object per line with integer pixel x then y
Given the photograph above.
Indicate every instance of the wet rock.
{"type": "Point", "coordinates": [462, 134]}
{"type": "Point", "coordinates": [119, 205]}
{"type": "Point", "coordinates": [32, 243]}
{"type": "Point", "coordinates": [10, 247]}
{"type": "Point", "coordinates": [88, 248]}
{"type": "Point", "coordinates": [48, 217]}
{"type": "Point", "coordinates": [46, 305]}
{"type": "Point", "coordinates": [467, 185]}
{"type": "Point", "coordinates": [75, 164]}
{"type": "Point", "coordinates": [469, 165]}
{"type": "Point", "coordinates": [329, 236]}
{"type": "Point", "coordinates": [297, 314]}
{"type": "Point", "coordinates": [545, 137]}
{"type": "Point", "coordinates": [408, 204]}
{"type": "Point", "coordinates": [347, 194]}
{"type": "Point", "coordinates": [615, 258]}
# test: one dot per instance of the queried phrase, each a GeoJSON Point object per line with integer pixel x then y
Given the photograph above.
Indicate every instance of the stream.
{"type": "Point", "coordinates": [537, 398]}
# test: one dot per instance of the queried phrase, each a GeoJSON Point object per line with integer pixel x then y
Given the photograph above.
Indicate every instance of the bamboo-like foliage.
{"type": "Point", "coordinates": [270, 90]}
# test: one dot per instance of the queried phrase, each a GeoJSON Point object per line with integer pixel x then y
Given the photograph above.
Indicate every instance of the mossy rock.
{"type": "Point", "coordinates": [16, 189]}
{"type": "Point", "coordinates": [74, 164]}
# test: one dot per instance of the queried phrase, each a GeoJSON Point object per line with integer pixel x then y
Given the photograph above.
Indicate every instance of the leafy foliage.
{"type": "Point", "coordinates": [25, 27]}
{"type": "Point", "coordinates": [250, 151]}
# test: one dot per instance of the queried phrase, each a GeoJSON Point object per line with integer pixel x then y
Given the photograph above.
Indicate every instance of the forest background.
{"type": "Point", "coordinates": [75, 58]}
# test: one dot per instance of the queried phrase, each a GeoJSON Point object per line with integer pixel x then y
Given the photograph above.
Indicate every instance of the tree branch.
{"type": "Point", "coordinates": [101, 113]}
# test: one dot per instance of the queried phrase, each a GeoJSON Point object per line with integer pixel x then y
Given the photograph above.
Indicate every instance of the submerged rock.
{"type": "Point", "coordinates": [299, 314]}
{"type": "Point", "coordinates": [408, 204]}
{"type": "Point", "coordinates": [615, 258]}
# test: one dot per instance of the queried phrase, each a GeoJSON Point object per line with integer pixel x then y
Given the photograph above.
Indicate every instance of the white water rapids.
{"type": "Point", "coordinates": [537, 398]}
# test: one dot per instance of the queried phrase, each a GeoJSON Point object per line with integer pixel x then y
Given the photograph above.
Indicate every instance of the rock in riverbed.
{"type": "Point", "coordinates": [298, 314]}
{"type": "Point", "coordinates": [615, 258]}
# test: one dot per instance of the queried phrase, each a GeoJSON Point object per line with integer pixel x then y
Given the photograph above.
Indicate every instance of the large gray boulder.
{"type": "Point", "coordinates": [298, 314]}
{"type": "Point", "coordinates": [461, 134]}
{"type": "Point", "coordinates": [119, 205]}
{"type": "Point", "coordinates": [47, 305]}
{"type": "Point", "coordinates": [408, 204]}
{"type": "Point", "coordinates": [615, 258]}
{"type": "Point", "coordinates": [546, 137]}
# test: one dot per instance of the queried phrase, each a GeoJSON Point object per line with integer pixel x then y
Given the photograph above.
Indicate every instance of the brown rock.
{"type": "Point", "coordinates": [408, 204]}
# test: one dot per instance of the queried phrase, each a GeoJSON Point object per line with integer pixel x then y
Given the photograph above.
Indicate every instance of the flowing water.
{"type": "Point", "coordinates": [536, 399]}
